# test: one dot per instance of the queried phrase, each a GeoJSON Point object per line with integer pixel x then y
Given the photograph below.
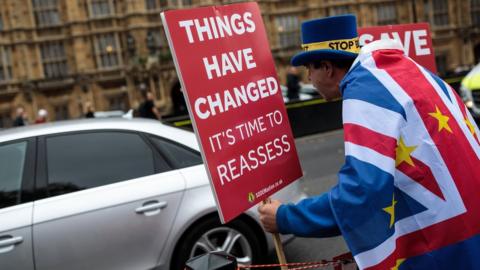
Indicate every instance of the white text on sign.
{"type": "Point", "coordinates": [245, 130]}
{"type": "Point", "coordinates": [254, 158]}
{"type": "Point", "coordinates": [235, 98]}
{"type": "Point", "coordinates": [218, 27]}
{"type": "Point", "coordinates": [230, 63]}
{"type": "Point", "coordinates": [419, 40]}
{"type": "Point", "coordinates": [236, 167]}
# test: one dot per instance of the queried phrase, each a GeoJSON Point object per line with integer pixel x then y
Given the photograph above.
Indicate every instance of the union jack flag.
{"type": "Point", "coordinates": [408, 195]}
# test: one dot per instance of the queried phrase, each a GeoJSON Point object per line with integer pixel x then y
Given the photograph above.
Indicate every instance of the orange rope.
{"type": "Point", "coordinates": [297, 266]}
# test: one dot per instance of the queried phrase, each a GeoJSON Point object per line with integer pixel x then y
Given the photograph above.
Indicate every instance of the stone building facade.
{"type": "Point", "coordinates": [61, 54]}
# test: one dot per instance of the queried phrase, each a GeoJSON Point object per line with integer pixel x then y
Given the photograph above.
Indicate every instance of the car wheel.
{"type": "Point", "coordinates": [235, 238]}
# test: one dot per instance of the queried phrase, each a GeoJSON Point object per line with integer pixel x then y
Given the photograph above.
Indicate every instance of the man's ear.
{"type": "Point", "coordinates": [329, 68]}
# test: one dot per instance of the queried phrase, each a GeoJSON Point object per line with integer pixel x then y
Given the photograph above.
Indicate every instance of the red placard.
{"type": "Point", "coordinates": [415, 38]}
{"type": "Point", "coordinates": [234, 98]}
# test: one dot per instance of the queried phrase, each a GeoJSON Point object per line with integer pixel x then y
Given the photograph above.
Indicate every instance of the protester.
{"type": "Point", "coordinates": [20, 117]}
{"type": "Point", "coordinates": [89, 112]}
{"type": "Point", "coordinates": [178, 100]}
{"type": "Point", "coordinates": [147, 109]}
{"type": "Point", "coordinates": [293, 83]}
{"type": "Point", "coordinates": [41, 116]}
{"type": "Point", "coordinates": [407, 195]}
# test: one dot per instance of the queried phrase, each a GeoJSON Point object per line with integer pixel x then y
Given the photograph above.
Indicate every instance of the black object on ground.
{"type": "Point", "coordinates": [217, 260]}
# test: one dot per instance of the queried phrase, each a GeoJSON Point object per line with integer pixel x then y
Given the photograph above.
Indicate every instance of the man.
{"type": "Point", "coordinates": [41, 116]}
{"type": "Point", "coordinates": [89, 111]}
{"type": "Point", "coordinates": [20, 117]}
{"type": "Point", "coordinates": [178, 100]}
{"type": "Point", "coordinates": [147, 108]}
{"type": "Point", "coordinates": [408, 195]}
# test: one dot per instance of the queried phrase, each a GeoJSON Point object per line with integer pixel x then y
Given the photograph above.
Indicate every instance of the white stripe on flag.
{"type": "Point", "coordinates": [373, 117]}
{"type": "Point", "coordinates": [368, 155]}
{"type": "Point", "coordinates": [376, 255]}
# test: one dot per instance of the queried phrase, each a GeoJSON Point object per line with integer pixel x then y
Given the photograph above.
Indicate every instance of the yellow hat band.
{"type": "Point", "coordinates": [346, 45]}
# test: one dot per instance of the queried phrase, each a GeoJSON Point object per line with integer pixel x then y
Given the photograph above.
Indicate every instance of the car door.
{"type": "Point", "coordinates": [112, 201]}
{"type": "Point", "coordinates": [16, 186]}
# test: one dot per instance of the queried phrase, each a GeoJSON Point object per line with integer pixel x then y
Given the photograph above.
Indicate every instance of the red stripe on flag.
{"type": "Point", "coordinates": [422, 174]}
{"type": "Point", "coordinates": [456, 152]}
{"type": "Point", "coordinates": [363, 136]}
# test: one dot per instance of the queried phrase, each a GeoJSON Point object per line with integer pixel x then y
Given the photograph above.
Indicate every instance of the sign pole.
{"type": "Point", "coordinates": [278, 245]}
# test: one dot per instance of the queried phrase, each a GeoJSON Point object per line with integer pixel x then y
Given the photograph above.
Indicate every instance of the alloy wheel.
{"type": "Point", "coordinates": [224, 239]}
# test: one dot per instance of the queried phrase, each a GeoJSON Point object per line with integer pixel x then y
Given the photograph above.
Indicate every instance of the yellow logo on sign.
{"type": "Point", "coordinates": [251, 197]}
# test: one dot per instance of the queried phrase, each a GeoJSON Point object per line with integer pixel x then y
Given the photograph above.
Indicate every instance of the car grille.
{"type": "Point", "coordinates": [476, 97]}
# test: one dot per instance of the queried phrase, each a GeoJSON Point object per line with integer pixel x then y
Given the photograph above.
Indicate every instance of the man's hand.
{"type": "Point", "coordinates": [268, 215]}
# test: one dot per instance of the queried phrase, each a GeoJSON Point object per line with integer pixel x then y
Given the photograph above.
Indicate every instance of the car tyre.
{"type": "Point", "coordinates": [236, 237]}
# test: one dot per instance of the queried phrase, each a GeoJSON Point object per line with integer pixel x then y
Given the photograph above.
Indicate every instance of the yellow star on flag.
{"type": "Point", "coordinates": [470, 126]}
{"type": "Point", "coordinates": [397, 264]}
{"type": "Point", "coordinates": [403, 153]}
{"type": "Point", "coordinates": [442, 120]}
{"type": "Point", "coordinates": [391, 211]}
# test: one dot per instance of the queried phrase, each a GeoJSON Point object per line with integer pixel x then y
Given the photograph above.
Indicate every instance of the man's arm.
{"type": "Point", "coordinates": [312, 217]}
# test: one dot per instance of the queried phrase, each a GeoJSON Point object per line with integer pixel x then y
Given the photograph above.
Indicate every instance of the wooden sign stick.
{"type": "Point", "coordinates": [278, 245]}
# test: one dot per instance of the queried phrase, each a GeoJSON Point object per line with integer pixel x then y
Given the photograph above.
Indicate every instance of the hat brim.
{"type": "Point", "coordinates": [304, 58]}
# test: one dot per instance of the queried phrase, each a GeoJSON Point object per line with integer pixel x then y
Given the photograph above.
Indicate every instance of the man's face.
{"type": "Point", "coordinates": [324, 79]}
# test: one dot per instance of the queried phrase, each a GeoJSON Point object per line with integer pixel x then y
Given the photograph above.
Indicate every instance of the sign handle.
{"type": "Point", "coordinates": [278, 245]}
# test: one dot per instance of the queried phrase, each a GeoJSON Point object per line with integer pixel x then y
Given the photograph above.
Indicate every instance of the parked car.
{"type": "Point", "coordinates": [306, 92]}
{"type": "Point", "coordinates": [470, 91]}
{"type": "Point", "coordinates": [309, 89]}
{"type": "Point", "coordinates": [111, 114]}
{"type": "Point", "coordinates": [114, 194]}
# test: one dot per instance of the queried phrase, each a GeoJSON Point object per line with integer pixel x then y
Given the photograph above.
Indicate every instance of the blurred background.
{"type": "Point", "coordinates": [67, 59]}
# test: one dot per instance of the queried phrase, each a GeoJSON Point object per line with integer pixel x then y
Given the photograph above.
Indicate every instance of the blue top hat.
{"type": "Point", "coordinates": [328, 38]}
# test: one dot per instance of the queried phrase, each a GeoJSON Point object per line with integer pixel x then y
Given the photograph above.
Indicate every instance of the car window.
{"type": "Point", "coordinates": [180, 156]}
{"type": "Point", "coordinates": [87, 160]}
{"type": "Point", "coordinates": [12, 162]}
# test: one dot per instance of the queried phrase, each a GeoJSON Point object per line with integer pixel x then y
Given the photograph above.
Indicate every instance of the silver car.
{"type": "Point", "coordinates": [113, 194]}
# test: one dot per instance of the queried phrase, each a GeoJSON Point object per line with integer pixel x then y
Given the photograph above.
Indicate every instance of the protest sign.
{"type": "Point", "coordinates": [415, 38]}
{"type": "Point", "coordinates": [225, 65]}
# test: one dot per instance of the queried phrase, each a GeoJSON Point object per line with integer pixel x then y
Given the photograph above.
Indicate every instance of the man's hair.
{"type": "Point", "coordinates": [338, 63]}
